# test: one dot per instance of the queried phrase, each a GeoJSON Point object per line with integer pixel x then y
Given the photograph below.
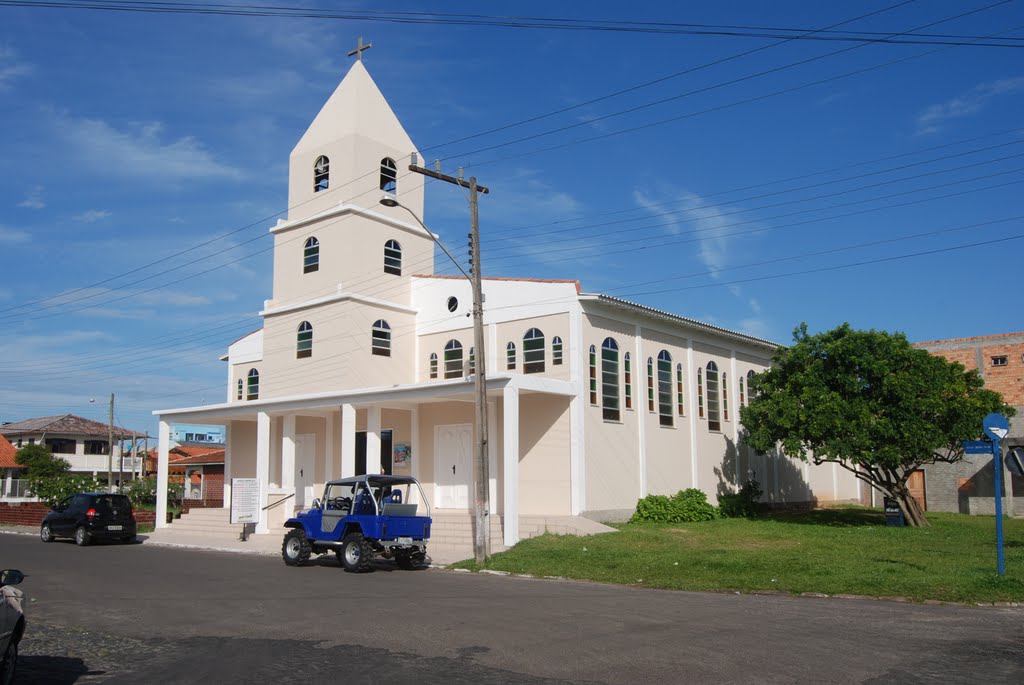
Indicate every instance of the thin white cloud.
{"type": "Point", "coordinates": [12, 235]}
{"type": "Point", "coordinates": [34, 198]}
{"type": "Point", "coordinates": [10, 68]}
{"type": "Point", "coordinates": [933, 117]}
{"type": "Point", "coordinates": [90, 216]}
{"type": "Point", "coordinates": [756, 327]}
{"type": "Point", "coordinates": [710, 224]}
{"type": "Point", "coordinates": [140, 151]}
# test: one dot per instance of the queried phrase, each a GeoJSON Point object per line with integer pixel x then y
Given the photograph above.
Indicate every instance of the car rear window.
{"type": "Point", "coordinates": [108, 502]}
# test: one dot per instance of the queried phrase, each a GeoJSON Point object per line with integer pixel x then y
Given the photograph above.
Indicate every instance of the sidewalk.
{"type": "Point", "coordinates": [267, 545]}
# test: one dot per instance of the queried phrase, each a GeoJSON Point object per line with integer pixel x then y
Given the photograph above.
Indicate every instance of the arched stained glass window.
{"type": "Point", "coordinates": [433, 364]}
{"type": "Point", "coordinates": [593, 375]}
{"type": "Point", "coordinates": [311, 256]}
{"type": "Point", "coordinates": [679, 390]}
{"type": "Point", "coordinates": [472, 360]}
{"type": "Point", "coordinates": [714, 415]}
{"type": "Point", "coordinates": [700, 393]}
{"type": "Point", "coordinates": [253, 385]}
{"type": "Point", "coordinates": [304, 341]}
{"type": "Point", "coordinates": [725, 396]}
{"type": "Point", "coordinates": [665, 388]}
{"type": "Point", "coordinates": [380, 342]}
{"type": "Point", "coordinates": [610, 380]}
{"type": "Point", "coordinates": [628, 372]}
{"type": "Point", "coordinates": [510, 356]}
{"type": "Point", "coordinates": [453, 359]}
{"type": "Point", "coordinates": [533, 351]}
{"type": "Point", "coordinates": [393, 258]}
{"type": "Point", "coordinates": [650, 385]}
{"type": "Point", "coordinates": [241, 388]}
{"type": "Point", "coordinates": [556, 351]}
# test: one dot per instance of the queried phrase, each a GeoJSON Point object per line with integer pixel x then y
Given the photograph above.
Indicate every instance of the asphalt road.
{"type": "Point", "coordinates": [147, 614]}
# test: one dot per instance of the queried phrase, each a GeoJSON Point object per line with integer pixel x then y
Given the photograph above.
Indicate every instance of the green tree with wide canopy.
{"type": "Point", "coordinates": [870, 402]}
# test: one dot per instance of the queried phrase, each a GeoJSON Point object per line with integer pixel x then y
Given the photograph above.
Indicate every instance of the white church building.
{"type": "Point", "coordinates": [365, 359]}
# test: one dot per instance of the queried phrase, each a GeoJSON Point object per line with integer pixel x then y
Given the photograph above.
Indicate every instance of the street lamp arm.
{"type": "Point", "coordinates": [389, 201]}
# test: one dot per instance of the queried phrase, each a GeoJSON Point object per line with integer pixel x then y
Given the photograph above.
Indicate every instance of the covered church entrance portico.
{"type": "Point", "coordinates": [294, 445]}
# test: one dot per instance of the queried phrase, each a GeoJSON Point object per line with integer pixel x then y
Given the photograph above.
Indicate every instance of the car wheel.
{"type": "Point", "coordinates": [82, 537]}
{"type": "Point", "coordinates": [296, 548]}
{"type": "Point", "coordinates": [356, 553]}
{"type": "Point", "coordinates": [45, 534]}
{"type": "Point", "coordinates": [9, 664]}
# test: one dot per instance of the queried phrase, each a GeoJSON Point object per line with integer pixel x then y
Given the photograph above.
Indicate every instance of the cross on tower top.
{"type": "Point", "coordinates": [358, 52]}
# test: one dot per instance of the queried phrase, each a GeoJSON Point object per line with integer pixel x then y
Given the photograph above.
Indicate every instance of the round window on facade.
{"type": "Point", "coordinates": [453, 304]}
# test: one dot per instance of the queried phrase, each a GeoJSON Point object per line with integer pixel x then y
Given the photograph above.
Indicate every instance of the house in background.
{"type": "Point", "coordinates": [201, 469]}
{"type": "Point", "coordinates": [10, 485]}
{"type": "Point", "coordinates": [365, 363]}
{"type": "Point", "coordinates": [968, 486]}
{"type": "Point", "coordinates": [80, 441]}
{"type": "Point", "coordinates": [197, 434]}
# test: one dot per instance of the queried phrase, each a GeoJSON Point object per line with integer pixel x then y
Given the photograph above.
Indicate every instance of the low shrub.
{"type": "Point", "coordinates": [686, 506]}
{"type": "Point", "coordinates": [744, 504]}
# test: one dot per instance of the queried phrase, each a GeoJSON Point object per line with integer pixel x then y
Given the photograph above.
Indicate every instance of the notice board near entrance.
{"type": "Point", "coordinates": [245, 500]}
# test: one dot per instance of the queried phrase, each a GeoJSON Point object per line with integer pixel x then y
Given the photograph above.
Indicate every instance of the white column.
{"type": "Point", "coordinates": [227, 464]}
{"type": "Point", "coordinates": [414, 440]}
{"type": "Point", "coordinates": [373, 440]}
{"type": "Point", "coordinates": [330, 460]}
{"type": "Point", "coordinates": [641, 411]}
{"type": "Point", "coordinates": [161, 473]}
{"type": "Point", "coordinates": [263, 465]}
{"type": "Point", "coordinates": [510, 476]}
{"type": "Point", "coordinates": [348, 440]}
{"type": "Point", "coordinates": [288, 453]}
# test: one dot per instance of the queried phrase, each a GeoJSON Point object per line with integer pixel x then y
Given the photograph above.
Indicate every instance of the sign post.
{"type": "Point", "coordinates": [245, 503]}
{"type": "Point", "coordinates": [997, 427]}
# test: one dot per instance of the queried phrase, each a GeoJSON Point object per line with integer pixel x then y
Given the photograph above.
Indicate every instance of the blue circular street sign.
{"type": "Point", "coordinates": [996, 426]}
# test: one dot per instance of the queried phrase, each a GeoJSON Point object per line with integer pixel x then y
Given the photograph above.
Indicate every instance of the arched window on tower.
{"type": "Point", "coordinates": [388, 175]}
{"type": "Point", "coordinates": [665, 388]}
{"type": "Point", "coordinates": [381, 338]}
{"type": "Point", "coordinates": [393, 258]}
{"type": "Point", "coordinates": [304, 341]}
{"type": "Point", "coordinates": [253, 385]}
{"type": "Point", "coordinates": [321, 173]}
{"type": "Point", "coordinates": [453, 359]}
{"type": "Point", "coordinates": [610, 380]}
{"type": "Point", "coordinates": [714, 416]}
{"type": "Point", "coordinates": [533, 351]}
{"type": "Point", "coordinates": [311, 256]}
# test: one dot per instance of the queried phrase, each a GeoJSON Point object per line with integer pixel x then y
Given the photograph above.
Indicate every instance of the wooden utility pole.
{"type": "Point", "coordinates": [110, 447]}
{"type": "Point", "coordinates": [481, 466]}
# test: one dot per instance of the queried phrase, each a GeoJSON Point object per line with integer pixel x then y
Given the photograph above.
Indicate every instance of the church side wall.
{"type": "Point", "coordinates": [242, 435]}
{"type": "Point", "coordinates": [544, 434]}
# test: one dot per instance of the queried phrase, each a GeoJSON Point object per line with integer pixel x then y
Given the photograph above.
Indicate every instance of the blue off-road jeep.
{"type": "Point", "coordinates": [360, 518]}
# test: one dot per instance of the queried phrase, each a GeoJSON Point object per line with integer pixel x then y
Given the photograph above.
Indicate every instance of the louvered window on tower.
{"type": "Point", "coordinates": [311, 256]}
{"type": "Point", "coordinates": [321, 173]}
{"type": "Point", "coordinates": [388, 175]}
{"type": "Point", "coordinates": [381, 344]}
{"type": "Point", "coordinates": [393, 258]}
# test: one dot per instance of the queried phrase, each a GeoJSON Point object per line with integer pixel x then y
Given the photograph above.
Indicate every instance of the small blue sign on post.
{"type": "Point", "coordinates": [997, 426]}
{"type": "Point", "coordinates": [977, 447]}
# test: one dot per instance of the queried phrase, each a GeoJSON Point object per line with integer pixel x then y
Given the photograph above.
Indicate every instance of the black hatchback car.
{"type": "Point", "coordinates": [89, 516]}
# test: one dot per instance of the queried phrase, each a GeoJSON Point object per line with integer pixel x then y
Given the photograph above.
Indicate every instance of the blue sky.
{"type": "Point", "coordinates": [750, 200]}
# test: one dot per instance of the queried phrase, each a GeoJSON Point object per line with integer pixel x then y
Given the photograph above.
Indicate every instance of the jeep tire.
{"type": "Point", "coordinates": [409, 561]}
{"type": "Point", "coordinates": [355, 554]}
{"type": "Point", "coordinates": [296, 548]}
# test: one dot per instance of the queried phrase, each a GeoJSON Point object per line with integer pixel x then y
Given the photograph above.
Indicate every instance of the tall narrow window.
{"type": "Point", "coordinates": [742, 394]}
{"type": "Point", "coordinates": [665, 388]}
{"type": "Point", "coordinates": [311, 256]}
{"type": "Point", "coordinates": [472, 360]}
{"type": "Point", "coordinates": [533, 351]}
{"type": "Point", "coordinates": [241, 387]}
{"type": "Point", "coordinates": [304, 341]}
{"type": "Point", "coordinates": [714, 417]}
{"type": "Point", "coordinates": [453, 359]}
{"type": "Point", "coordinates": [388, 175]}
{"type": "Point", "coordinates": [650, 385]}
{"type": "Point", "coordinates": [393, 258]}
{"type": "Point", "coordinates": [253, 385]}
{"type": "Point", "coordinates": [750, 386]}
{"type": "Point", "coordinates": [628, 369]}
{"type": "Point", "coordinates": [433, 364]}
{"type": "Point", "coordinates": [593, 375]}
{"type": "Point", "coordinates": [610, 380]}
{"type": "Point", "coordinates": [725, 396]}
{"type": "Point", "coordinates": [510, 356]}
{"type": "Point", "coordinates": [700, 393]}
{"type": "Point", "coordinates": [679, 390]}
{"type": "Point", "coordinates": [381, 338]}
{"type": "Point", "coordinates": [556, 351]}
{"type": "Point", "coordinates": [321, 173]}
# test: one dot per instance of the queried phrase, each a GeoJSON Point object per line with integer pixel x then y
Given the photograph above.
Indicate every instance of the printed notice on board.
{"type": "Point", "coordinates": [245, 500]}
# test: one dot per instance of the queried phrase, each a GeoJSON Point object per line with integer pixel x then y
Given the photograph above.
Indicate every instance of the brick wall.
{"type": "Point", "coordinates": [32, 513]}
{"type": "Point", "coordinates": [977, 353]}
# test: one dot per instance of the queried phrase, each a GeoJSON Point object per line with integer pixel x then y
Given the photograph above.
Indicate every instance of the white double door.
{"type": "Point", "coordinates": [453, 465]}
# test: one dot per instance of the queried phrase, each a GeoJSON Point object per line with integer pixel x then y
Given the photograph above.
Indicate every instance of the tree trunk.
{"type": "Point", "coordinates": [911, 508]}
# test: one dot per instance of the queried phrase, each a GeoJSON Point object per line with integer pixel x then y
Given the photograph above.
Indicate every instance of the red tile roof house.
{"type": "Point", "coordinates": [201, 469]}
{"type": "Point", "coordinates": [80, 441]}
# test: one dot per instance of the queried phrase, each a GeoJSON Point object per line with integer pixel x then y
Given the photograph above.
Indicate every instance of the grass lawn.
{"type": "Point", "coordinates": [832, 551]}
